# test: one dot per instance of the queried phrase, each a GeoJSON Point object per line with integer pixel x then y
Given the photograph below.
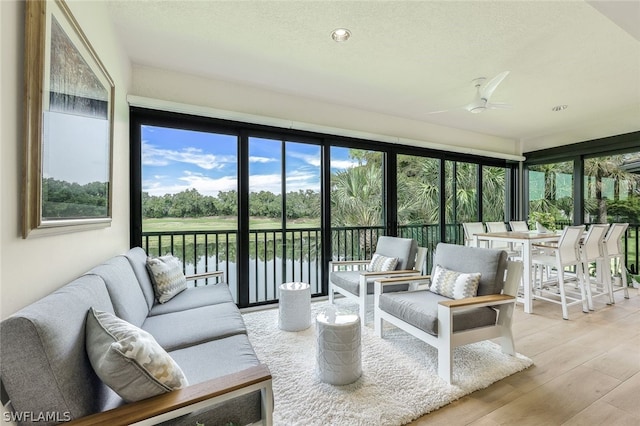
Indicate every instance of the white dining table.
{"type": "Point", "coordinates": [527, 240]}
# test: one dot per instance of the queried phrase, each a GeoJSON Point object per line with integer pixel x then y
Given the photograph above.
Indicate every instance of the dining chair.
{"type": "Point", "coordinates": [511, 250]}
{"type": "Point", "coordinates": [614, 254]}
{"type": "Point", "coordinates": [470, 229]}
{"type": "Point", "coordinates": [565, 255]}
{"type": "Point", "coordinates": [593, 252]}
{"type": "Point", "coordinates": [519, 226]}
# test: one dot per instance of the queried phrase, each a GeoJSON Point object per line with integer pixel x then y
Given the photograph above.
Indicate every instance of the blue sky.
{"type": "Point", "coordinates": [174, 160]}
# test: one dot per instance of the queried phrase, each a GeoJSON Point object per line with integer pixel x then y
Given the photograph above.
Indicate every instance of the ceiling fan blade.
{"type": "Point", "coordinates": [499, 105]}
{"type": "Point", "coordinates": [490, 87]}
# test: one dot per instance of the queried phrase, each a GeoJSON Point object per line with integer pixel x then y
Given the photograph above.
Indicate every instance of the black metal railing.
{"type": "Point", "coordinates": [277, 256]}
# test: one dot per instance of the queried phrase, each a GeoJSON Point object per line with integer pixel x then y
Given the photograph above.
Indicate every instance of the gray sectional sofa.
{"type": "Point", "coordinates": [48, 377]}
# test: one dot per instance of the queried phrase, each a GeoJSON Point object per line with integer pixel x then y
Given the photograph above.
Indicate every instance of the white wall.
{"type": "Point", "coordinates": [199, 92]}
{"type": "Point", "coordinates": [32, 268]}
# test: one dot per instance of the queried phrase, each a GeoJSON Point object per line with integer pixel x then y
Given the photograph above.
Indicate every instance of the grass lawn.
{"type": "Point", "coordinates": [220, 223]}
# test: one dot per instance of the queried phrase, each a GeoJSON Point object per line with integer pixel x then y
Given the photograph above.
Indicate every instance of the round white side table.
{"type": "Point", "coordinates": [294, 306]}
{"type": "Point", "coordinates": [338, 353]}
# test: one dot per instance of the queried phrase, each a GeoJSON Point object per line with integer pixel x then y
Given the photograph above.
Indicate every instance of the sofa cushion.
{"type": "Point", "coordinates": [404, 249]}
{"type": "Point", "coordinates": [181, 329]}
{"type": "Point", "coordinates": [167, 277]}
{"type": "Point", "coordinates": [125, 292]}
{"type": "Point", "coordinates": [420, 309]}
{"type": "Point", "coordinates": [194, 297]}
{"type": "Point", "coordinates": [452, 284]}
{"type": "Point", "coordinates": [128, 359]}
{"type": "Point", "coordinates": [137, 257]}
{"type": "Point", "coordinates": [490, 263]}
{"type": "Point", "coordinates": [214, 359]}
{"type": "Point", "coordinates": [380, 263]}
{"type": "Point", "coordinates": [45, 367]}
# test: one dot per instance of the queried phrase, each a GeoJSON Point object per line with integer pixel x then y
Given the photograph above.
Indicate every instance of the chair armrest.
{"type": "Point", "coordinates": [398, 272]}
{"type": "Point", "coordinates": [347, 263]}
{"type": "Point", "coordinates": [217, 274]}
{"type": "Point", "coordinates": [404, 280]}
{"type": "Point", "coordinates": [412, 280]}
{"type": "Point", "coordinates": [211, 391]}
{"type": "Point", "coordinates": [478, 301]}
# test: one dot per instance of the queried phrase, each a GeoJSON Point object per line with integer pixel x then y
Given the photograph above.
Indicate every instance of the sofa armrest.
{"type": "Point", "coordinates": [184, 401]}
{"type": "Point", "coordinates": [219, 275]}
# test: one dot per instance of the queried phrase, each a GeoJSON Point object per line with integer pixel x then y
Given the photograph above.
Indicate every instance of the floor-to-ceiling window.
{"type": "Point", "coordinates": [551, 191]}
{"type": "Point", "coordinates": [418, 199]}
{"type": "Point", "coordinates": [357, 202]}
{"type": "Point", "coordinates": [284, 216]}
{"type": "Point", "coordinates": [261, 203]}
{"type": "Point", "coordinates": [589, 182]}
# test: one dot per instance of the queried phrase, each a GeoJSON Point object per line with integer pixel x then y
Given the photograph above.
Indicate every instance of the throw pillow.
{"type": "Point", "coordinates": [167, 277]}
{"type": "Point", "coordinates": [380, 263]}
{"type": "Point", "coordinates": [454, 285]}
{"type": "Point", "coordinates": [128, 359]}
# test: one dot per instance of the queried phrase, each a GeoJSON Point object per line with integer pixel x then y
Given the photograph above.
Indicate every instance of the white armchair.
{"type": "Point", "coordinates": [353, 280]}
{"type": "Point", "coordinates": [446, 323]}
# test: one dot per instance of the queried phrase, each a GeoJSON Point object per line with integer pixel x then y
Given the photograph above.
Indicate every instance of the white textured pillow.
{"type": "Point", "coordinates": [167, 277]}
{"type": "Point", "coordinates": [380, 263]}
{"type": "Point", "coordinates": [128, 359]}
{"type": "Point", "coordinates": [454, 285]}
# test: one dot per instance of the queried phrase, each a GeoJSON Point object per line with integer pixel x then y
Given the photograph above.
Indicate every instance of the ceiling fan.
{"type": "Point", "coordinates": [483, 93]}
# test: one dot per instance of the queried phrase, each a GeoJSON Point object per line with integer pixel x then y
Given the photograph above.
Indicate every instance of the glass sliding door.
{"type": "Point", "coordinates": [303, 245]}
{"type": "Point", "coordinates": [284, 216]}
{"type": "Point", "coordinates": [418, 195]}
{"type": "Point", "coordinates": [611, 189]}
{"type": "Point", "coordinates": [190, 199]}
{"type": "Point", "coordinates": [461, 194]}
{"type": "Point", "coordinates": [494, 207]}
{"type": "Point", "coordinates": [357, 213]}
{"type": "Point", "coordinates": [551, 191]}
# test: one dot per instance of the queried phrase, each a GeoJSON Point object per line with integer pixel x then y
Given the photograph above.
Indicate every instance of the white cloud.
{"type": "Point", "coordinates": [203, 184]}
{"type": "Point", "coordinates": [254, 159]}
{"type": "Point", "coordinates": [343, 164]}
{"type": "Point", "coordinates": [153, 156]}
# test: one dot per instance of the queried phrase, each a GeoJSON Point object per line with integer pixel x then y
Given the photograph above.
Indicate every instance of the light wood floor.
{"type": "Point", "coordinates": [586, 371]}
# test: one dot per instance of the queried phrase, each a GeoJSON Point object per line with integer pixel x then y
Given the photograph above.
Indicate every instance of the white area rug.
{"type": "Point", "coordinates": [399, 381]}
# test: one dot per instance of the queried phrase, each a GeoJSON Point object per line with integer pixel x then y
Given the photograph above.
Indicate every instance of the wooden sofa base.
{"type": "Point", "coordinates": [192, 398]}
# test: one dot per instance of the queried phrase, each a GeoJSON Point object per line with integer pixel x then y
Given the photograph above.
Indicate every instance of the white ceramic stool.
{"type": "Point", "coordinates": [294, 306]}
{"type": "Point", "coordinates": [338, 353]}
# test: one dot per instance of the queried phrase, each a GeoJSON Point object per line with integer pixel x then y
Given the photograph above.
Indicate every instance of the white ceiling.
{"type": "Point", "coordinates": [407, 58]}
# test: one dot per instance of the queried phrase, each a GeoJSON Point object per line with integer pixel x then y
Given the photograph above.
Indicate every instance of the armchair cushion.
{"type": "Point", "coordinates": [167, 277]}
{"type": "Point", "coordinates": [380, 263]}
{"type": "Point", "coordinates": [420, 309]}
{"type": "Point", "coordinates": [454, 285]}
{"type": "Point", "coordinates": [128, 359]}
{"type": "Point", "coordinates": [490, 263]}
{"type": "Point", "coordinates": [404, 249]}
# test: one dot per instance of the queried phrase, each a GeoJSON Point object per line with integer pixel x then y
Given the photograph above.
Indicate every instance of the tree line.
{"type": "Point", "coordinates": [62, 199]}
{"type": "Point", "coordinates": [190, 203]}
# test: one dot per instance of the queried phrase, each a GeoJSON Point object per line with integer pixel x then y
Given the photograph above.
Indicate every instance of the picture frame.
{"type": "Point", "coordinates": [68, 125]}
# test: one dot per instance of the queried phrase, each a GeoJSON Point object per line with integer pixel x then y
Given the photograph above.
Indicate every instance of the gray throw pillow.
{"type": "Point", "coordinates": [454, 285]}
{"type": "Point", "coordinates": [380, 263]}
{"type": "Point", "coordinates": [167, 277]}
{"type": "Point", "coordinates": [128, 359]}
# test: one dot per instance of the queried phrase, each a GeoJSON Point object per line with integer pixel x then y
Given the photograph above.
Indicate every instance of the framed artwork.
{"type": "Point", "coordinates": [68, 125]}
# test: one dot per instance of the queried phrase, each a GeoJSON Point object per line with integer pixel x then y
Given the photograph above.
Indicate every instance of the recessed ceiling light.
{"type": "Point", "coordinates": [559, 107]}
{"type": "Point", "coordinates": [340, 34]}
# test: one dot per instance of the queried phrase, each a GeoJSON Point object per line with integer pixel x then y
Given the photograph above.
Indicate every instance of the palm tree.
{"type": "Point", "coordinates": [598, 170]}
{"type": "Point", "coordinates": [356, 200]}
